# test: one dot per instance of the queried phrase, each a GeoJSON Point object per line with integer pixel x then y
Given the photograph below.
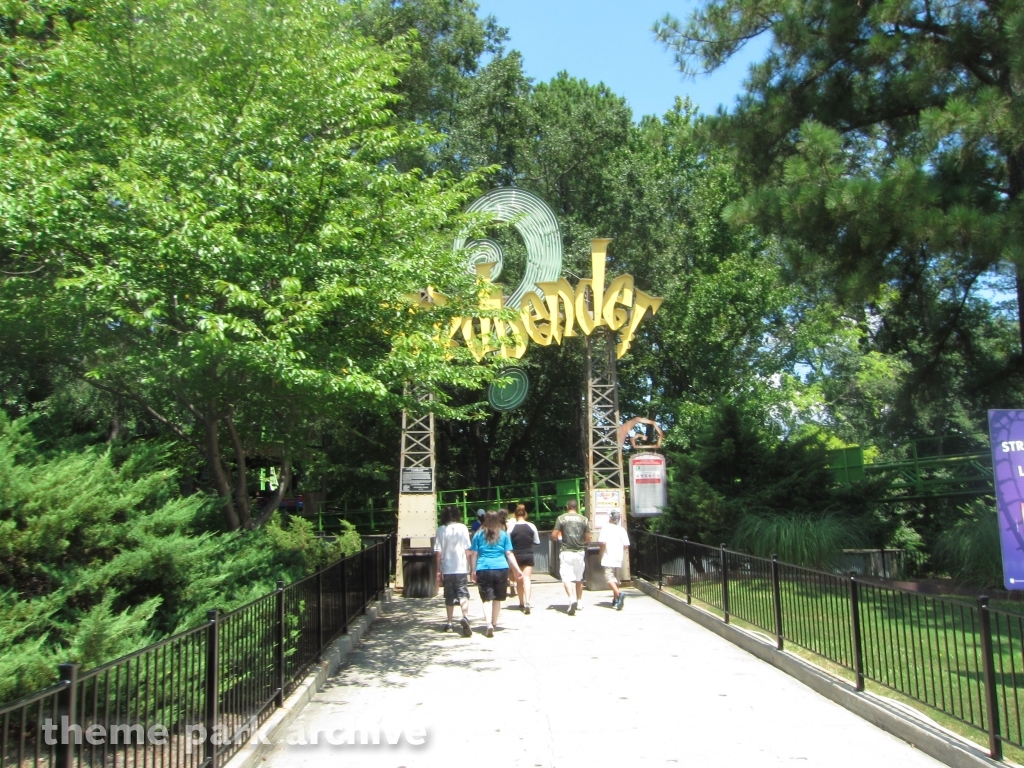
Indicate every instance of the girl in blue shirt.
{"type": "Point", "coordinates": [490, 558]}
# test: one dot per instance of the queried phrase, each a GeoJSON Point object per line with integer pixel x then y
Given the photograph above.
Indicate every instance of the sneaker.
{"type": "Point", "coordinates": [619, 603]}
{"type": "Point", "coordinates": [526, 610]}
{"type": "Point", "coordinates": [467, 631]}
{"type": "Point", "coordinates": [448, 627]}
{"type": "Point", "coordinates": [572, 608]}
{"type": "Point", "coordinates": [489, 631]}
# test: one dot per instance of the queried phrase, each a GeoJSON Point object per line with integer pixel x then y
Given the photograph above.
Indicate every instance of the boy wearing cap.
{"type": "Point", "coordinates": [478, 522]}
{"type": "Point", "coordinates": [614, 541]}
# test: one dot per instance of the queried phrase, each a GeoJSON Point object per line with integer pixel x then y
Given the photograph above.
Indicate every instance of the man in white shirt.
{"type": "Point", "coordinates": [614, 541]}
{"type": "Point", "coordinates": [450, 547]}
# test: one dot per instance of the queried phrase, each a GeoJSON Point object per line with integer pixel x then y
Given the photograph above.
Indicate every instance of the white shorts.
{"type": "Point", "coordinates": [570, 566]}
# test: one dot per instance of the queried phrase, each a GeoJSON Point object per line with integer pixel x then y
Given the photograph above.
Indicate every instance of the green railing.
{"type": "Point", "coordinates": [936, 467]}
{"type": "Point", "coordinates": [545, 499]}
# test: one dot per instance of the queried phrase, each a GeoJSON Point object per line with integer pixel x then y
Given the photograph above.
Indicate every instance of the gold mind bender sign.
{"type": "Point", "coordinates": [553, 312]}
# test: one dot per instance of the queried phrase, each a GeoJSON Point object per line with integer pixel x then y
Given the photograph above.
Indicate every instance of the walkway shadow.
{"type": "Point", "coordinates": [402, 643]}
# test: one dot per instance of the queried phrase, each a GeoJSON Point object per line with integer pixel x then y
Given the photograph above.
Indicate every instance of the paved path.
{"type": "Point", "coordinates": [644, 687]}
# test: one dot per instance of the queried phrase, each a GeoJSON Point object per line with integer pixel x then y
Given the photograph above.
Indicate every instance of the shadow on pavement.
{"type": "Point", "coordinates": [402, 643]}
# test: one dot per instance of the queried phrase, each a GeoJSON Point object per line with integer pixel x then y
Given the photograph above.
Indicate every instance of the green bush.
{"type": "Point", "coordinates": [735, 468]}
{"type": "Point", "coordinates": [813, 541]}
{"type": "Point", "coordinates": [969, 551]}
{"type": "Point", "coordinates": [98, 559]}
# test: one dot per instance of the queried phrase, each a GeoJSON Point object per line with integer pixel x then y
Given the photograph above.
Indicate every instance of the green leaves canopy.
{"type": "Point", "coordinates": [199, 201]}
{"type": "Point", "coordinates": [882, 143]}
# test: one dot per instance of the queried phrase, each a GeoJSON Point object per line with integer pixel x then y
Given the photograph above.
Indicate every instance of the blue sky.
{"type": "Point", "coordinates": [611, 41]}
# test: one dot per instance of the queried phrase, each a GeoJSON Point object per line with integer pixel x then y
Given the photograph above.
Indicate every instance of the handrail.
{"type": "Point", "coordinates": [225, 673]}
{"type": "Point", "coordinates": [949, 655]}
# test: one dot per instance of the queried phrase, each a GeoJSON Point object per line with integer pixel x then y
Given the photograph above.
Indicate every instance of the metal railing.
{"type": "Point", "coordinates": [546, 499]}
{"type": "Point", "coordinates": [164, 705]}
{"type": "Point", "coordinates": [961, 659]}
{"type": "Point", "coordinates": [373, 516]}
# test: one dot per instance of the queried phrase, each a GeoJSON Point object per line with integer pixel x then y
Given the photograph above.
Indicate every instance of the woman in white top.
{"type": "Point", "coordinates": [524, 537]}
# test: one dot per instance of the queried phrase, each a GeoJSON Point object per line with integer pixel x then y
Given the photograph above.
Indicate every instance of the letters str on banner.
{"type": "Point", "coordinates": [648, 489]}
{"type": "Point", "coordinates": [1006, 431]}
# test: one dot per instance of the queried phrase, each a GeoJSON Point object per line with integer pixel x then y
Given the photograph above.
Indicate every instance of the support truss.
{"type": "Point", "coordinates": [604, 464]}
{"type": "Point", "coordinates": [418, 438]}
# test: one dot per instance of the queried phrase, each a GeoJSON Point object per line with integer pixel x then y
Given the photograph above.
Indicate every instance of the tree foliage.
{"type": "Point", "coordinates": [740, 477]}
{"type": "Point", "coordinates": [99, 557]}
{"type": "Point", "coordinates": [882, 144]}
{"type": "Point", "coordinates": [204, 221]}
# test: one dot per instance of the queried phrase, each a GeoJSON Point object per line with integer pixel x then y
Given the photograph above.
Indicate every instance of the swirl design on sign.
{"type": "Point", "coordinates": [514, 391]}
{"type": "Point", "coordinates": [535, 223]}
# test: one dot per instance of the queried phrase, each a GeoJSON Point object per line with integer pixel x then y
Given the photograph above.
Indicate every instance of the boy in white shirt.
{"type": "Point", "coordinates": [450, 548]}
{"type": "Point", "coordinates": [614, 541]}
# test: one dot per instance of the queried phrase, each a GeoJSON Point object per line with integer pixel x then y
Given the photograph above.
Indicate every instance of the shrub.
{"type": "Point", "coordinates": [813, 541]}
{"type": "Point", "coordinates": [969, 551]}
{"type": "Point", "coordinates": [98, 559]}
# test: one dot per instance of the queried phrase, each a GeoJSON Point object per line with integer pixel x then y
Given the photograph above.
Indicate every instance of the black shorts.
{"type": "Point", "coordinates": [524, 558]}
{"type": "Point", "coordinates": [456, 587]}
{"type": "Point", "coordinates": [493, 584]}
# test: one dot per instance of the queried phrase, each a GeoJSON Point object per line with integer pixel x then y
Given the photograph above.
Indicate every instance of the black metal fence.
{"type": "Point", "coordinates": [964, 660]}
{"type": "Point", "coordinates": [193, 699]}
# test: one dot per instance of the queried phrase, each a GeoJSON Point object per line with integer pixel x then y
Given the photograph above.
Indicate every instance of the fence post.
{"type": "Point", "coordinates": [362, 562]}
{"type": "Point", "coordinates": [344, 595]}
{"type": "Point", "coordinates": [319, 610]}
{"type": "Point", "coordinates": [725, 584]}
{"type": "Point", "coordinates": [376, 571]}
{"type": "Point", "coordinates": [686, 570]}
{"type": "Point", "coordinates": [279, 641]}
{"type": "Point", "coordinates": [995, 743]}
{"type": "Point", "coordinates": [777, 601]}
{"type": "Point", "coordinates": [67, 703]}
{"type": "Point", "coordinates": [657, 557]}
{"type": "Point", "coordinates": [379, 583]}
{"type": "Point", "coordinates": [858, 654]}
{"type": "Point", "coordinates": [212, 684]}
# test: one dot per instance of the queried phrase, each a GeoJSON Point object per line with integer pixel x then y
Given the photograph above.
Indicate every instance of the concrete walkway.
{"type": "Point", "coordinates": [644, 687]}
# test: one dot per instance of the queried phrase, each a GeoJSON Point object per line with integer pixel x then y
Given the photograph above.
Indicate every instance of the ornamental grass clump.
{"type": "Point", "coordinates": [814, 541]}
{"type": "Point", "coordinates": [969, 551]}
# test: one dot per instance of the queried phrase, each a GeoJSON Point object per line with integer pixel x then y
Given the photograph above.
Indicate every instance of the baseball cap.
{"type": "Point", "coordinates": [480, 513]}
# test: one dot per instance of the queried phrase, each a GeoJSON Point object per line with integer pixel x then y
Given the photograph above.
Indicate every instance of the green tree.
{"type": "Point", "coordinates": [210, 221]}
{"type": "Point", "coordinates": [739, 473]}
{"type": "Point", "coordinates": [882, 145]}
{"type": "Point", "coordinates": [99, 555]}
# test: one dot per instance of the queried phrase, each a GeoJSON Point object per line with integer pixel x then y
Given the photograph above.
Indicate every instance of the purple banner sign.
{"type": "Point", "coordinates": [1006, 431]}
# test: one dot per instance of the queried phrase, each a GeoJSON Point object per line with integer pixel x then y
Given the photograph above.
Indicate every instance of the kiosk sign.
{"type": "Point", "coordinates": [648, 490]}
{"type": "Point", "coordinates": [1006, 431]}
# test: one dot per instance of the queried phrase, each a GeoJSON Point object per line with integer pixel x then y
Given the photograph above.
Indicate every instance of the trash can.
{"type": "Point", "coordinates": [419, 570]}
{"type": "Point", "coordinates": [594, 573]}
